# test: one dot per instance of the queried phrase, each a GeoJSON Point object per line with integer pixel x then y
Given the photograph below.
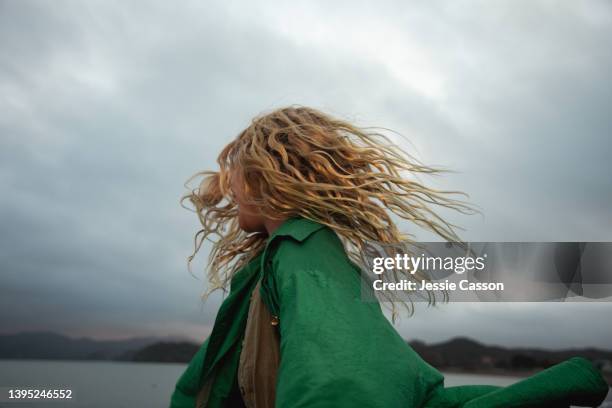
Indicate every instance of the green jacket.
{"type": "Point", "coordinates": [340, 351]}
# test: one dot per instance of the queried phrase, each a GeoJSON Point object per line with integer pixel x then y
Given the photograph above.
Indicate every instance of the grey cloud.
{"type": "Point", "coordinates": [107, 108]}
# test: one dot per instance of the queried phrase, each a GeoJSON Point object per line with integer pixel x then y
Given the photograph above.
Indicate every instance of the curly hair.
{"type": "Point", "coordinates": [299, 161]}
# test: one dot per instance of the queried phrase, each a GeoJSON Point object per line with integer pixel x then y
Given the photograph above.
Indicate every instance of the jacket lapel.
{"type": "Point", "coordinates": [232, 316]}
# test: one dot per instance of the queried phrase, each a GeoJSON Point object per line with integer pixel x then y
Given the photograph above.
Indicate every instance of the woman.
{"type": "Point", "coordinates": [297, 196]}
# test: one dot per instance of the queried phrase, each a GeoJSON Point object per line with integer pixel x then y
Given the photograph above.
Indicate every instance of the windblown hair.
{"type": "Point", "coordinates": [299, 161]}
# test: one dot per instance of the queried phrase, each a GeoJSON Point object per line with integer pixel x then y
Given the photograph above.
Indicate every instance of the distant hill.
{"type": "Point", "coordinates": [167, 352]}
{"type": "Point", "coordinates": [467, 354]}
{"type": "Point", "coordinates": [459, 353]}
{"type": "Point", "coordinates": [48, 345]}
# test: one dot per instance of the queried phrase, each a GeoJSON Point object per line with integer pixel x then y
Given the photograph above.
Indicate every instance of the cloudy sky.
{"type": "Point", "coordinates": [107, 108]}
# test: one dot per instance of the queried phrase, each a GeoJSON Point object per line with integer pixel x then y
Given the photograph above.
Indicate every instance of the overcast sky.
{"type": "Point", "coordinates": [107, 108]}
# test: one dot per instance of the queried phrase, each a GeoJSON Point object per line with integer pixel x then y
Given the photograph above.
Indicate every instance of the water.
{"type": "Point", "coordinates": [97, 384]}
{"type": "Point", "coordinates": [93, 383]}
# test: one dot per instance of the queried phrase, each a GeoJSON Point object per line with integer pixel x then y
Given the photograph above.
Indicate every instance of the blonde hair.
{"type": "Point", "coordinates": [299, 161]}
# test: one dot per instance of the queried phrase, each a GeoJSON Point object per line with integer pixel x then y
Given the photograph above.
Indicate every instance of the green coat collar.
{"type": "Point", "coordinates": [298, 228]}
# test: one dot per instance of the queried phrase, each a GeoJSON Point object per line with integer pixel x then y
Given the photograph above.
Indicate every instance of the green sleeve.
{"type": "Point", "coordinates": [337, 350]}
{"type": "Point", "coordinates": [573, 382]}
{"type": "Point", "coordinates": [187, 386]}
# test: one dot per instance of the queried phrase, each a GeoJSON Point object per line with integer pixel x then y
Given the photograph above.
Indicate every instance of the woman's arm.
{"type": "Point", "coordinates": [338, 350]}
